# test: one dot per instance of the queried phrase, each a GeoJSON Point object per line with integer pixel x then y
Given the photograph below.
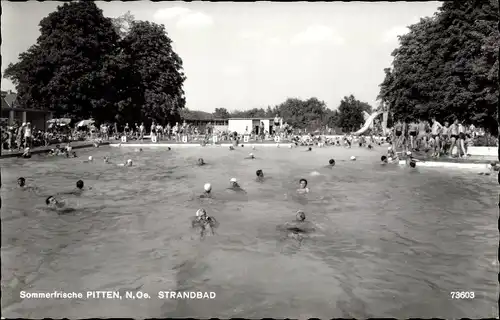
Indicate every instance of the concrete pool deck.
{"type": "Point", "coordinates": [39, 150]}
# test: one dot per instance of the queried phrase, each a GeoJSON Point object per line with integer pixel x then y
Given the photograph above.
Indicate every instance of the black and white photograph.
{"type": "Point", "coordinates": [250, 159]}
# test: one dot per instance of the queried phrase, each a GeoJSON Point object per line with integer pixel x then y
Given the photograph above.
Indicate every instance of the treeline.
{"type": "Point", "coordinates": [447, 66]}
{"type": "Point", "coordinates": [309, 114]}
{"type": "Point", "coordinates": [86, 65]}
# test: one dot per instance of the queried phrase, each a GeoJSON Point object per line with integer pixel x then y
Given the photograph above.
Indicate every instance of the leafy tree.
{"type": "Point", "coordinates": [221, 113]}
{"type": "Point", "coordinates": [350, 116]}
{"type": "Point", "coordinates": [310, 114]}
{"type": "Point", "coordinates": [123, 23]}
{"type": "Point", "coordinates": [446, 66]}
{"type": "Point", "coordinates": [252, 113]}
{"type": "Point", "coordinates": [195, 115]}
{"type": "Point", "coordinates": [62, 72]}
{"type": "Point", "coordinates": [155, 77]}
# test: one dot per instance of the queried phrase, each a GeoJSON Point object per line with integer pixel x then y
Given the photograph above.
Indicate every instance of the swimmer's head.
{"type": "Point", "coordinates": [251, 155]}
{"type": "Point", "coordinates": [50, 200]}
{"type": "Point", "coordinates": [91, 158]}
{"type": "Point", "coordinates": [360, 144]}
{"type": "Point", "coordinates": [129, 162]}
{"type": "Point", "coordinates": [253, 147]}
{"type": "Point", "coordinates": [242, 145]}
{"type": "Point", "coordinates": [201, 213]}
{"type": "Point", "coordinates": [106, 159]}
{"type": "Point", "coordinates": [303, 183]}
{"type": "Point", "coordinates": [413, 164]}
{"type": "Point", "coordinates": [79, 184]}
{"type": "Point", "coordinates": [290, 146]}
{"type": "Point", "coordinates": [383, 158]}
{"type": "Point", "coordinates": [74, 154]}
{"type": "Point", "coordinates": [168, 148]}
{"type": "Point", "coordinates": [201, 161]}
{"type": "Point", "coordinates": [331, 162]}
{"type": "Point", "coordinates": [370, 146]}
{"type": "Point", "coordinates": [300, 216]}
{"type": "Point", "coordinates": [207, 187]}
{"type": "Point", "coordinates": [309, 149]}
{"type": "Point", "coordinates": [140, 149]}
{"type": "Point", "coordinates": [259, 173]}
{"type": "Point", "coordinates": [21, 181]}
{"type": "Point", "coordinates": [353, 158]}
{"type": "Point", "coordinates": [231, 148]}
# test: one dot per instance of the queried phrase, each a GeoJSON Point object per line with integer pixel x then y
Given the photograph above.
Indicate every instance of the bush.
{"type": "Point", "coordinates": [486, 141]}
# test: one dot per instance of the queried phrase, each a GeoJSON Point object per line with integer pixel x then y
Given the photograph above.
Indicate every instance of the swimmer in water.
{"type": "Point", "coordinates": [231, 148]}
{"type": "Point", "coordinates": [204, 222]}
{"type": "Point", "coordinates": [410, 161]}
{"type": "Point", "coordinates": [21, 182]}
{"type": "Point", "coordinates": [127, 163]}
{"type": "Point", "coordinates": [331, 164]}
{"type": "Point", "coordinates": [208, 191]}
{"type": "Point", "coordinates": [201, 162]}
{"type": "Point", "coordinates": [298, 228]}
{"type": "Point", "coordinates": [309, 149]}
{"type": "Point", "coordinates": [260, 175]}
{"type": "Point", "coordinates": [250, 156]}
{"type": "Point", "coordinates": [303, 186]}
{"type": "Point", "coordinates": [383, 160]}
{"type": "Point", "coordinates": [235, 186]}
{"type": "Point", "coordinates": [91, 159]}
{"type": "Point", "coordinates": [78, 190]}
{"type": "Point", "coordinates": [53, 203]}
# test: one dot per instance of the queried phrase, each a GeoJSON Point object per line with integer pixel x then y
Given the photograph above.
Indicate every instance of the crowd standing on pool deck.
{"type": "Point", "coordinates": [207, 224]}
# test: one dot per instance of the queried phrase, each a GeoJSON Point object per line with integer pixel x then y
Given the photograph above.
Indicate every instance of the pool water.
{"type": "Point", "coordinates": [390, 241]}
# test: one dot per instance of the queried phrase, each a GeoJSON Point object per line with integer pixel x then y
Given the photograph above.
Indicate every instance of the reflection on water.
{"type": "Point", "coordinates": [390, 242]}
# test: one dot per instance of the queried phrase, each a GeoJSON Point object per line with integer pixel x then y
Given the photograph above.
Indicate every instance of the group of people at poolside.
{"type": "Point", "coordinates": [433, 136]}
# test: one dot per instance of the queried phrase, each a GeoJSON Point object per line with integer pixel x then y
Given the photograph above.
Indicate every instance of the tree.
{"type": "Point", "coordinates": [123, 24]}
{"type": "Point", "coordinates": [221, 113]}
{"type": "Point", "coordinates": [154, 73]}
{"type": "Point", "coordinates": [62, 72]}
{"type": "Point", "coordinates": [350, 113]}
{"type": "Point", "coordinates": [310, 114]}
{"type": "Point", "coordinates": [446, 66]}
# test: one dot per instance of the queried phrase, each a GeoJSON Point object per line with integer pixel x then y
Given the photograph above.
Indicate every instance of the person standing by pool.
{"type": "Point", "coordinates": [399, 134]}
{"type": "Point", "coordinates": [454, 138]}
{"type": "Point", "coordinates": [461, 140]}
{"type": "Point", "coordinates": [412, 133]}
{"type": "Point", "coordinates": [142, 129]}
{"type": "Point", "coordinates": [436, 129]}
{"type": "Point", "coordinates": [27, 135]}
{"type": "Point", "coordinates": [303, 186]}
{"type": "Point", "coordinates": [276, 124]}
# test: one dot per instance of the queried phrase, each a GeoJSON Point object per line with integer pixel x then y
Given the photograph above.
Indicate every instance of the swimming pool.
{"type": "Point", "coordinates": [392, 242]}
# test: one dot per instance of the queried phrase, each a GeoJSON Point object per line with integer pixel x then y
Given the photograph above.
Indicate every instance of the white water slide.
{"type": "Point", "coordinates": [368, 122]}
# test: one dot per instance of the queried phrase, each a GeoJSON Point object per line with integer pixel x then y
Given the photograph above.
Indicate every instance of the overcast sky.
{"type": "Point", "coordinates": [246, 55]}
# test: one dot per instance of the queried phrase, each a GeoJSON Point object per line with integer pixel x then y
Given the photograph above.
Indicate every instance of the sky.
{"type": "Point", "coordinates": [240, 56]}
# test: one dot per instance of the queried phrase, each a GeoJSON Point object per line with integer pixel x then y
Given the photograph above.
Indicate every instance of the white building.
{"type": "Point", "coordinates": [246, 125]}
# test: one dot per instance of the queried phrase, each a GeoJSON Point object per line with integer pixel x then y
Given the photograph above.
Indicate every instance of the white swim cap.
{"type": "Point", "coordinates": [251, 154]}
{"type": "Point", "coordinates": [389, 148]}
{"type": "Point", "coordinates": [129, 161]}
{"type": "Point", "coordinates": [233, 180]}
{"type": "Point", "coordinates": [207, 187]}
{"type": "Point", "coordinates": [201, 212]}
{"type": "Point", "coordinates": [90, 158]}
{"type": "Point", "coordinates": [290, 146]}
{"type": "Point", "coordinates": [253, 147]}
{"type": "Point", "coordinates": [390, 158]}
{"type": "Point", "coordinates": [353, 158]}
